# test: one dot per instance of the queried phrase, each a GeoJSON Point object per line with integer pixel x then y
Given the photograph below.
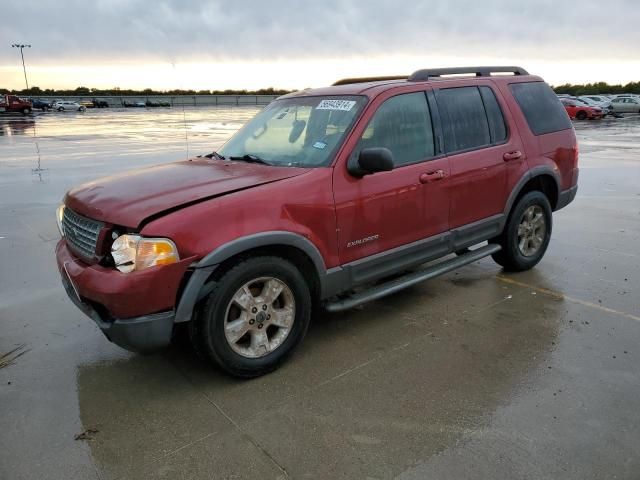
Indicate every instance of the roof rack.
{"type": "Point", "coordinates": [349, 81]}
{"type": "Point", "coordinates": [429, 73]}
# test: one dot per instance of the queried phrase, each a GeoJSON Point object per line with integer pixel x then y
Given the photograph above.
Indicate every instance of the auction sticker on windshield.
{"type": "Point", "coordinates": [345, 105]}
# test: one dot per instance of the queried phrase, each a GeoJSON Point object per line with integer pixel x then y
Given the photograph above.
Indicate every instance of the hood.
{"type": "Point", "coordinates": [128, 199]}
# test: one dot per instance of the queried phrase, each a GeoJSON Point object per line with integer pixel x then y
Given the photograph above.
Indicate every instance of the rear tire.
{"type": "Point", "coordinates": [581, 115]}
{"type": "Point", "coordinates": [241, 328]}
{"type": "Point", "coordinates": [526, 235]}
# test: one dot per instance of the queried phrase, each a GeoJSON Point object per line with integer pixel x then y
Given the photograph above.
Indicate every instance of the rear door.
{"type": "Point", "coordinates": [481, 150]}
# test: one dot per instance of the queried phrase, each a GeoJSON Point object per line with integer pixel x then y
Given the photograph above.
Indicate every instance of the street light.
{"type": "Point", "coordinates": [22, 46]}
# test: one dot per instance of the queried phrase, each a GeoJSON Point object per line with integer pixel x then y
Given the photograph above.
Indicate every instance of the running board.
{"type": "Point", "coordinates": [397, 284]}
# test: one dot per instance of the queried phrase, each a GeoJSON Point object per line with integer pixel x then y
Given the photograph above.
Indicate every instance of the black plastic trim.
{"type": "Point", "coordinates": [195, 288]}
{"type": "Point", "coordinates": [566, 197]}
{"type": "Point", "coordinates": [431, 73]}
{"type": "Point", "coordinates": [397, 284]}
{"type": "Point", "coordinates": [145, 334]}
{"type": "Point", "coordinates": [528, 175]}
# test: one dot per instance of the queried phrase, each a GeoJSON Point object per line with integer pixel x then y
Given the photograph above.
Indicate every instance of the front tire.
{"type": "Point", "coordinates": [526, 235]}
{"type": "Point", "coordinates": [61, 109]}
{"type": "Point", "coordinates": [581, 115]}
{"type": "Point", "coordinates": [255, 316]}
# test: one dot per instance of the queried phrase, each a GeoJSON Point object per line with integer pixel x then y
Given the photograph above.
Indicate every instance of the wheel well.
{"type": "Point", "coordinates": [296, 256]}
{"type": "Point", "coordinates": [543, 183]}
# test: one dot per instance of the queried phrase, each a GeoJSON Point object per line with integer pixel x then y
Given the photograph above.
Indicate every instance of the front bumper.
{"type": "Point", "coordinates": [134, 310]}
{"type": "Point", "coordinates": [144, 334]}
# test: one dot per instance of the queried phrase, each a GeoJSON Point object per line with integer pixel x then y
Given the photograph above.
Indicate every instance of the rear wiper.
{"type": "Point", "coordinates": [215, 155]}
{"type": "Point", "coordinates": [250, 158]}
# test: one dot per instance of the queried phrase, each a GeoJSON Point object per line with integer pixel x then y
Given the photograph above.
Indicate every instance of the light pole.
{"type": "Point", "coordinates": [21, 47]}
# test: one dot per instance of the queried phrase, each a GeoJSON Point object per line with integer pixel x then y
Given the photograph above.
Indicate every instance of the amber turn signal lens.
{"type": "Point", "coordinates": [133, 252]}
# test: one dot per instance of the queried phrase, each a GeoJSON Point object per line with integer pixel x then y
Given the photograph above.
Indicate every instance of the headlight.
{"type": "Point", "coordinates": [59, 215]}
{"type": "Point", "coordinates": [133, 252]}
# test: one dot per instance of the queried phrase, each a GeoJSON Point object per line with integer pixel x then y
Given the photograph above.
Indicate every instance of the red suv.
{"type": "Point", "coordinates": [322, 191]}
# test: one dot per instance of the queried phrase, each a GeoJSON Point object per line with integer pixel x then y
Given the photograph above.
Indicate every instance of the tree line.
{"type": "Point", "coordinates": [97, 92]}
{"type": "Point", "coordinates": [598, 87]}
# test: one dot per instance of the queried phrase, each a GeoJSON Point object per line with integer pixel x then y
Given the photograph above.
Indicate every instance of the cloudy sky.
{"type": "Point", "coordinates": [219, 44]}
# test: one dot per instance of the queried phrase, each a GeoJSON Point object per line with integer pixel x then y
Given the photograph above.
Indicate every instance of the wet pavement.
{"type": "Point", "coordinates": [477, 374]}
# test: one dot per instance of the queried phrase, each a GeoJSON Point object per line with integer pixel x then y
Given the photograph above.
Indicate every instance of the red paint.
{"type": "Point", "coordinates": [129, 198]}
{"type": "Point", "coordinates": [203, 204]}
{"type": "Point", "coordinates": [574, 109]}
{"type": "Point", "coordinates": [13, 103]}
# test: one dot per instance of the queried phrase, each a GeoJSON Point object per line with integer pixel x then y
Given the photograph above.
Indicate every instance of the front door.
{"type": "Point", "coordinates": [379, 212]}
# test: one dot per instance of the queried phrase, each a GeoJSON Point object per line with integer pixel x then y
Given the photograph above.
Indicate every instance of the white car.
{"type": "Point", "coordinates": [62, 105]}
{"type": "Point", "coordinates": [600, 99]}
{"type": "Point", "coordinates": [626, 104]}
{"type": "Point", "coordinates": [590, 100]}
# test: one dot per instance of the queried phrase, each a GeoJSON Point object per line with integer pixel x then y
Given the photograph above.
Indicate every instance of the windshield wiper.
{"type": "Point", "coordinates": [250, 158]}
{"type": "Point", "coordinates": [215, 155]}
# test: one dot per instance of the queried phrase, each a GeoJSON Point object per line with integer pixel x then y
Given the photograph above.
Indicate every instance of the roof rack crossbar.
{"type": "Point", "coordinates": [349, 81]}
{"type": "Point", "coordinates": [429, 73]}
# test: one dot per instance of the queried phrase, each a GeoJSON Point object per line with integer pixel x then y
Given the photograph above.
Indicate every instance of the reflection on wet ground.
{"type": "Point", "coordinates": [477, 374]}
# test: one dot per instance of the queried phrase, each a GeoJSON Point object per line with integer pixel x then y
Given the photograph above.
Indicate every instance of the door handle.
{"type": "Point", "coordinates": [512, 155]}
{"type": "Point", "coordinates": [432, 176]}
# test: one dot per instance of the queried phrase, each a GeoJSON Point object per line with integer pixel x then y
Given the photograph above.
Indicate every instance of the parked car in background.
{"type": "Point", "coordinates": [86, 103]}
{"type": "Point", "coordinates": [100, 103]}
{"type": "Point", "coordinates": [161, 103]}
{"type": "Point", "coordinates": [68, 105]}
{"type": "Point", "coordinates": [625, 105]}
{"type": "Point", "coordinates": [605, 106]}
{"type": "Point", "coordinates": [601, 99]}
{"type": "Point", "coordinates": [311, 200]}
{"type": "Point", "coordinates": [41, 104]}
{"type": "Point", "coordinates": [134, 104]}
{"type": "Point", "coordinates": [14, 104]}
{"type": "Point", "coordinates": [579, 110]}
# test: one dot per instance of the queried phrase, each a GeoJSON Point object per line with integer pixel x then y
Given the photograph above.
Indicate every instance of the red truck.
{"type": "Point", "coordinates": [15, 104]}
{"type": "Point", "coordinates": [330, 197]}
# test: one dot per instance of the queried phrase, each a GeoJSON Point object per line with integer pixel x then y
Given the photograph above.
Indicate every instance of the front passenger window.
{"type": "Point", "coordinates": [403, 125]}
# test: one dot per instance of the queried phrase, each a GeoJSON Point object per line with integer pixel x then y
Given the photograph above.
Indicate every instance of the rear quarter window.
{"type": "Point", "coordinates": [541, 107]}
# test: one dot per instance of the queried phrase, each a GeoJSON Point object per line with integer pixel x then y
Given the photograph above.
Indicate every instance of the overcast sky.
{"type": "Point", "coordinates": [249, 44]}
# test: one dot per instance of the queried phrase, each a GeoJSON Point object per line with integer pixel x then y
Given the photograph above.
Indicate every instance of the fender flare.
{"type": "Point", "coordinates": [194, 291]}
{"type": "Point", "coordinates": [529, 175]}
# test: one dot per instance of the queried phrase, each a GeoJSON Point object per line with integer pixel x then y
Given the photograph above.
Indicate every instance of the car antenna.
{"type": "Point", "coordinates": [184, 114]}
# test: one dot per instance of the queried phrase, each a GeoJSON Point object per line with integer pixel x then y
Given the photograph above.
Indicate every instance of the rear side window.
{"type": "Point", "coordinates": [464, 118]}
{"type": "Point", "coordinates": [541, 108]}
{"type": "Point", "coordinates": [403, 125]}
{"type": "Point", "coordinates": [497, 127]}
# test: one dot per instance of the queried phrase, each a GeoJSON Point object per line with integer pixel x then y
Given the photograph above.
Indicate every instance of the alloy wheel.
{"type": "Point", "coordinates": [259, 317]}
{"type": "Point", "coordinates": [531, 231]}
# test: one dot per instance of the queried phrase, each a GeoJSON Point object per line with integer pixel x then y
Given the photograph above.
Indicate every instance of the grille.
{"type": "Point", "coordinates": [81, 232]}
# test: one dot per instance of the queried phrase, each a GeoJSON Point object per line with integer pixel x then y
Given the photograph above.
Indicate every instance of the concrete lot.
{"type": "Point", "coordinates": [474, 375]}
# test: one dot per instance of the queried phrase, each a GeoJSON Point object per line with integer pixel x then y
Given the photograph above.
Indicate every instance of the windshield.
{"type": "Point", "coordinates": [297, 132]}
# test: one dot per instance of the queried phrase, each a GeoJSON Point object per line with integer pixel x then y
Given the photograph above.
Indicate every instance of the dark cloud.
{"type": "Point", "coordinates": [76, 31]}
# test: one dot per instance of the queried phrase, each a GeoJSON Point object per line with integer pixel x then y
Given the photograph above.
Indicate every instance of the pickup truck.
{"type": "Point", "coordinates": [13, 103]}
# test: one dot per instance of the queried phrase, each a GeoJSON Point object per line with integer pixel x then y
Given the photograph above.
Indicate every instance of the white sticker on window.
{"type": "Point", "coordinates": [319, 145]}
{"type": "Point", "coordinates": [345, 105]}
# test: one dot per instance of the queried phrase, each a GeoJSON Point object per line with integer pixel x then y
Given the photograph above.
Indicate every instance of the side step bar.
{"type": "Point", "coordinates": [397, 284]}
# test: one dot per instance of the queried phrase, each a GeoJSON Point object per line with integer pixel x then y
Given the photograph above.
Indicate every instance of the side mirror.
{"type": "Point", "coordinates": [371, 160]}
